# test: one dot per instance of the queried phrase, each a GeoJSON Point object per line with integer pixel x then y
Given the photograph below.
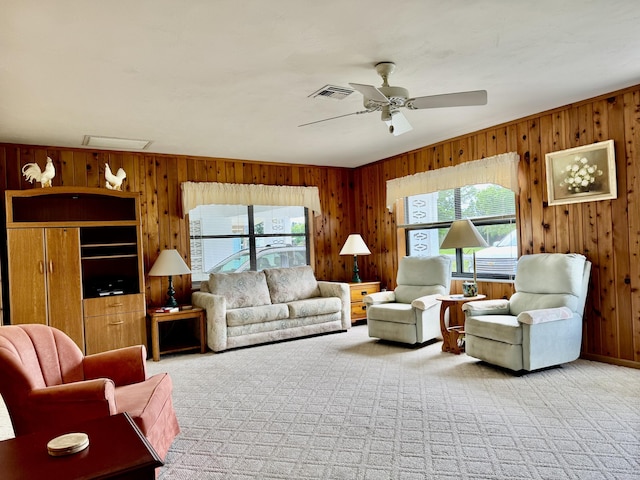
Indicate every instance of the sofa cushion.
{"type": "Point", "coordinates": [244, 289]}
{"type": "Point", "coordinates": [314, 306]}
{"type": "Point", "coordinates": [262, 314]}
{"type": "Point", "coordinates": [293, 283]}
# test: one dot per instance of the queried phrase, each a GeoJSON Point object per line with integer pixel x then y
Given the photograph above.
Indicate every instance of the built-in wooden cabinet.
{"type": "Point", "coordinates": [75, 263]}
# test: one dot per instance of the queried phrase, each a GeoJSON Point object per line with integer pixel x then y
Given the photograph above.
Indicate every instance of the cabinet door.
{"type": "Point", "coordinates": [64, 282]}
{"type": "Point", "coordinates": [27, 279]}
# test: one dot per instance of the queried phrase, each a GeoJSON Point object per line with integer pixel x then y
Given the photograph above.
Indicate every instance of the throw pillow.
{"type": "Point", "coordinates": [244, 289]}
{"type": "Point", "coordinates": [293, 283]}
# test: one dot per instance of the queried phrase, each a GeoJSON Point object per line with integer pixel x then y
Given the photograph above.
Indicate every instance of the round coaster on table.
{"type": "Point", "coordinates": [67, 444]}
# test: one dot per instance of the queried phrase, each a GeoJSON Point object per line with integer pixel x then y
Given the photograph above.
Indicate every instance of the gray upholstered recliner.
{"type": "Point", "coordinates": [541, 324]}
{"type": "Point", "coordinates": [411, 314]}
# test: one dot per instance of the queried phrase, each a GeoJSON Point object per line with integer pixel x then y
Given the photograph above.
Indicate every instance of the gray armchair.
{"type": "Point", "coordinates": [541, 324]}
{"type": "Point", "coordinates": [411, 314]}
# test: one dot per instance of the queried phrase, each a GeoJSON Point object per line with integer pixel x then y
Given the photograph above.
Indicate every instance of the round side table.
{"type": "Point", "coordinates": [453, 335]}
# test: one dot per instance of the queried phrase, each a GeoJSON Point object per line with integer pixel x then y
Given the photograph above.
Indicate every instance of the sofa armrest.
{"type": "Point", "coordinates": [124, 366]}
{"type": "Point", "coordinates": [426, 302]}
{"type": "Point", "coordinates": [486, 307]}
{"type": "Point", "coordinates": [379, 297]}
{"type": "Point", "coordinates": [215, 307]}
{"type": "Point", "coordinates": [544, 315]}
{"type": "Point", "coordinates": [343, 292]}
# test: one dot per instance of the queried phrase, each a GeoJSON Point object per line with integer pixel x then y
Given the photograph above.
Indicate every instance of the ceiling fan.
{"type": "Point", "coordinates": [388, 100]}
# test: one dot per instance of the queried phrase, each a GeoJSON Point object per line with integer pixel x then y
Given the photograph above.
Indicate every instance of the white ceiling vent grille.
{"type": "Point", "coordinates": [332, 91]}
{"type": "Point", "coordinates": [116, 143]}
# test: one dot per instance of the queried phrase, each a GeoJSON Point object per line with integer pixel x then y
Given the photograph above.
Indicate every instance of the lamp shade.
{"type": "Point", "coordinates": [355, 246]}
{"type": "Point", "coordinates": [169, 263]}
{"type": "Point", "coordinates": [463, 234]}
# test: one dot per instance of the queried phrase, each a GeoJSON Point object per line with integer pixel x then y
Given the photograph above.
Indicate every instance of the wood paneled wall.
{"type": "Point", "coordinates": [606, 232]}
{"type": "Point", "coordinates": [158, 178]}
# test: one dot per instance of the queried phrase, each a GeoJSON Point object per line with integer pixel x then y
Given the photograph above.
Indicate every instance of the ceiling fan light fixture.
{"type": "Point", "coordinates": [389, 100]}
{"type": "Point", "coordinates": [397, 95]}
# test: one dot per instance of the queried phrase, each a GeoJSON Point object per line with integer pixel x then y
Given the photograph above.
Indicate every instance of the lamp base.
{"type": "Point", "coordinates": [171, 301]}
{"type": "Point", "coordinates": [356, 274]}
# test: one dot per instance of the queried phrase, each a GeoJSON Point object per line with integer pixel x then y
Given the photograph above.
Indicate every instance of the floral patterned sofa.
{"type": "Point", "coordinates": [248, 308]}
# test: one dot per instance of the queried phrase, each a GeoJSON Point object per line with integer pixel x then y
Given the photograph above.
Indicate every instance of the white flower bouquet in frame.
{"type": "Point", "coordinates": [581, 174]}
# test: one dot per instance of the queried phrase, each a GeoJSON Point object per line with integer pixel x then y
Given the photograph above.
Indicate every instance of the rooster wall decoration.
{"type": "Point", "coordinates": [32, 172]}
{"type": "Point", "coordinates": [113, 182]}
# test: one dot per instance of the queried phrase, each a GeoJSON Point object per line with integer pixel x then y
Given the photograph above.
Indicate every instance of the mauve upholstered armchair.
{"type": "Point", "coordinates": [541, 324]}
{"type": "Point", "coordinates": [47, 383]}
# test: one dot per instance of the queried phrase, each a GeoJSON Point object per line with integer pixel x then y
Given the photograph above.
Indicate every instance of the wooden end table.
{"type": "Point", "coordinates": [453, 335]}
{"type": "Point", "coordinates": [358, 291]}
{"type": "Point", "coordinates": [117, 449]}
{"type": "Point", "coordinates": [156, 317]}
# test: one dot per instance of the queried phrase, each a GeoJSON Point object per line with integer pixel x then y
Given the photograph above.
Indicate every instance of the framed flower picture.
{"type": "Point", "coordinates": [581, 174]}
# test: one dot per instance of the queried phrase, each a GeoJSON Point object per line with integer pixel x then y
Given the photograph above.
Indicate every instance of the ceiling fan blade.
{"type": "Point", "coordinates": [371, 93]}
{"type": "Point", "coordinates": [398, 124]}
{"type": "Point", "coordinates": [460, 99]}
{"type": "Point", "coordinates": [339, 116]}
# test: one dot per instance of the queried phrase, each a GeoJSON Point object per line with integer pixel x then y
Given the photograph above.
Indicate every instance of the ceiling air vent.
{"type": "Point", "coordinates": [332, 91]}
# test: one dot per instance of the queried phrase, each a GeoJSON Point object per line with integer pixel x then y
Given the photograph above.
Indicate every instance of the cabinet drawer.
{"type": "Point", "coordinates": [358, 310]}
{"type": "Point", "coordinates": [116, 304]}
{"type": "Point", "coordinates": [108, 332]}
{"type": "Point", "coordinates": [359, 291]}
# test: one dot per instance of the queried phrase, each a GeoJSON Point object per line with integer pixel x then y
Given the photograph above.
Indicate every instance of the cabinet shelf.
{"type": "Point", "coordinates": [115, 244]}
{"type": "Point", "coordinates": [103, 257]}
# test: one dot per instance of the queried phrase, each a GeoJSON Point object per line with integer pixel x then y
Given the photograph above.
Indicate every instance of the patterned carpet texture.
{"type": "Point", "coordinates": [346, 406]}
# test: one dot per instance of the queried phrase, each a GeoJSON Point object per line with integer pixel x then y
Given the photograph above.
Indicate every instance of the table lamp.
{"type": "Point", "coordinates": [169, 263]}
{"type": "Point", "coordinates": [355, 246]}
{"type": "Point", "coordinates": [463, 234]}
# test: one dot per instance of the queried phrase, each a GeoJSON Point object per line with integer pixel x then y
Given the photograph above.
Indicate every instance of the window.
{"type": "Point", "coordinates": [235, 238]}
{"type": "Point", "coordinates": [491, 208]}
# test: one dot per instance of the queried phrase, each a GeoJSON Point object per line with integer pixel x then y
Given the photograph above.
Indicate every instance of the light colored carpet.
{"type": "Point", "coordinates": [346, 406]}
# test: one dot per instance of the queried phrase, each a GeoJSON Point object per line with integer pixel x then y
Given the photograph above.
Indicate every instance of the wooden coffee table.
{"type": "Point", "coordinates": [453, 335]}
{"type": "Point", "coordinates": [117, 449]}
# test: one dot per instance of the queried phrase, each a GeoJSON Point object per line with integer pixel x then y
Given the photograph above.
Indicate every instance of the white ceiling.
{"type": "Point", "coordinates": [232, 78]}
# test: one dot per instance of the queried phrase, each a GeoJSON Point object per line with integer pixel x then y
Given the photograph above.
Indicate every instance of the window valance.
{"type": "Point", "coordinates": [500, 169]}
{"type": "Point", "coordinates": [214, 193]}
